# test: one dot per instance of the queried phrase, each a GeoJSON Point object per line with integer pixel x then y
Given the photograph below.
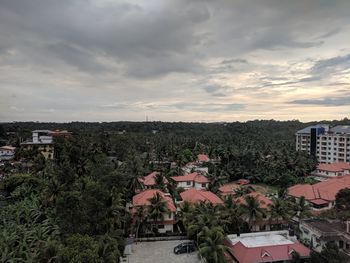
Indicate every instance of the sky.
{"type": "Point", "coordinates": [174, 60]}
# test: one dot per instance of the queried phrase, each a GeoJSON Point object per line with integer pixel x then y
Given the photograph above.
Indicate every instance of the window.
{"type": "Point", "coordinates": [169, 215]}
{"type": "Point", "coordinates": [203, 185]}
{"type": "Point", "coordinates": [160, 226]}
{"type": "Point", "coordinates": [188, 183]}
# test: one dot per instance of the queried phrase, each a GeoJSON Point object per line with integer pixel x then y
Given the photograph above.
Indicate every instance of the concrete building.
{"type": "Point", "coordinates": [317, 232]}
{"type": "Point", "coordinates": [274, 246]}
{"type": "Point", "coordinates": [43, 141]}
{"type": "Point", "coordinates": [166, 223]}
{"type": "Point", "coordinates": [7, 153]}
{"type": "Point", "coordinates": [328, 144]}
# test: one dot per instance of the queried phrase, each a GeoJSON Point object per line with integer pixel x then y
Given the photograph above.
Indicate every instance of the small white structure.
{"type": "Point", "coordinates": [7, 153]}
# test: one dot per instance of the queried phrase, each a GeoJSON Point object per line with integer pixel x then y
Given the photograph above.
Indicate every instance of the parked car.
{"type": "Point", "coordinates": [186, 247]}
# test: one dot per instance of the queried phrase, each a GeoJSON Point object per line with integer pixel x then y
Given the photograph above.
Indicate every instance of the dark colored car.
{"type": "Point", "coordinates": [186, 247]}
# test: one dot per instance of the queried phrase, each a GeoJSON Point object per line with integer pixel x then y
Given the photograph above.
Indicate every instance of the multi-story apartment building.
{"type": "Point", "coordinates": [328, 144]}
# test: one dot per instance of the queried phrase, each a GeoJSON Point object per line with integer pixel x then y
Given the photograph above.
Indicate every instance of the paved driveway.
{"type": "Point", "coordinates": [160, 252]}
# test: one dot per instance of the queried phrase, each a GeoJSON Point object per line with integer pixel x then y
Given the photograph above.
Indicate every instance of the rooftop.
{"type": "Point", "coordinates": [334, 167]}
{"type": "Point", "coordinates": [307, 130]}
{"type": "Point", "coordinates": [144, 197]}
{"type": "Point", "coordinates": [261, 239]}
{"type": "Point", "coordinates": [196, 177]}
{"type": "Point", "coordinates": [150, 179]}
{"type": "Point", "coordinates": [271, 246]}
{"type": "Point", "coordinates": [196, 196]}
{"type": "Point", "coordinates": [341, 129]}
{"type": "Point", "coordinates": [325, 190]}
{"type": "Point", "coordinates": [203, 158]}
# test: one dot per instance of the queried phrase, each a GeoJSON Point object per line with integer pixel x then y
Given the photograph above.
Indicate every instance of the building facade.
{"type": "Point", "coordinates": [328, 144]}
{"type": "Point", "coordinates": [7, 153]}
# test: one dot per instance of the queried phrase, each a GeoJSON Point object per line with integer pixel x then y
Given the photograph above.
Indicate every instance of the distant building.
{"type": "Point", "coordinates": [43, 141]}
{"type": "Point", "coordinates": [195, 196]}
{"type": "Point", "coordinates": [195, 167]}
{"type": "Point", "coordinates": [275, 246]}
{"type": "Point", "coordinates": [202, 158]}
{"type": "Point", "coordinates": [317, 232]}
{"type": "Point", "coordinates": [192, 180]}
{"type": "Point", "coordinates": [328, 144]}
{"type": "Point", "coordinates": [7, 153]}
{"type": "Point", "coordinates": [166, 223]}
{"type": "Point", "coordinates": [230, 188]}
{"type": "Point", "coordinates": [332, 169]}
{"type": "Point", "coordinates": [321, 196]}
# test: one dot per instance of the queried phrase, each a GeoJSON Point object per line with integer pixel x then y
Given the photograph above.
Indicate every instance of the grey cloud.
{"type": "Point", "coordinates": [327, 66]}
{"type": "Point", "coordinates": [328, 102]}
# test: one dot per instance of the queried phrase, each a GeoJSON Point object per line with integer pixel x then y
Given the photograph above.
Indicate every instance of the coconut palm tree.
{"type": "Point", "coordinates": [279, 211]}
{"type": "Point", "coordinates": [140, 216]}
{"type": "Point", "coordinates": [212, 247]}
{"type": "Point", "coordinates": [251, 210]}
{"type": "Point", "coordinates": [156, 209]}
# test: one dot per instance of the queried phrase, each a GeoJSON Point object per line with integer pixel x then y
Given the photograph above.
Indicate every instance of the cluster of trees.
{"type": "Point", "coordinates": [208, 224]}
{"type": "Point", "coordinates": [73, 209]}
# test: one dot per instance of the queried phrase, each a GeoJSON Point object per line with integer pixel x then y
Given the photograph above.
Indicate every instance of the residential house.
{"type": "Point", "coordinates": [202, 158]}
{"type": "Point", "coordinates": [166, 224]}
{"type": "Point", "coordinates": [195, 196]}
{"type": "Point", "coordinates": [317, 232]}
{"type": "Point", "coordinates": [332, 169]}
{"type": "Point", "coordinates": [7, 153]}
{"type": "Point", "coordinates": [230, 188]}
{"type": "Point", "coordinates": [192, 180]}
{"type": "Point", "coordinates": [274, 246]}
{"type": "Point", "coordinates": [321, 196]}
{"type": "Point", "coordinates": [149, 181]}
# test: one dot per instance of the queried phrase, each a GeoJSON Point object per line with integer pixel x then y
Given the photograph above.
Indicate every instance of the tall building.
{"type": "Point", "coordinates": [328, 144]}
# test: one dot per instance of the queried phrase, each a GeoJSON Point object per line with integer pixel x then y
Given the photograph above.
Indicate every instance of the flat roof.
{"type": "Point", "coordinates": [307, 130]}
{"type": "Point", "coordinates": [262, 239]}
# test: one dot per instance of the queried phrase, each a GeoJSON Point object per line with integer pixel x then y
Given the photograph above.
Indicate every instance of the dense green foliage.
{"type": "Point", "coordinates": [73, 209]}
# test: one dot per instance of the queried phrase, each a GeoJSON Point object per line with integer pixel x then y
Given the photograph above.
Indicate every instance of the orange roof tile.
{"type": "Point", "coordinates": [193, 177]}
{"type": "Point", "coordinates": [196, 196]}
{"type": "Point", "coordinates": [143, 199]}
{"type": "Point", "coordinates": [325, 190]}
{"type": "Point", "coordinates": [150, 179]}
{"type": "Point", "coordinates": [262, 199]}
{"type": "Point", "coordinates": [334, 167]}
{"type": "Point", "coordinates": [203, 158]}
{"type": "Point", "coordinates": [228, 189]}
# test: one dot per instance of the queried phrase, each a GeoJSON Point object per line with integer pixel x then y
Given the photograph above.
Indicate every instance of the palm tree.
{"type": "Point", "coordinates": [156, 209]}
{"type": "Point", "coordinates": [140, 216]}
{"type": "Point", "coordinates": [301, 209]}
{"type": "Point", "coordinates": [251, 210]}
{"type": "Point", "coordinates": [212, 247]}
{"type": "Point", "coordinates": [279, 210]}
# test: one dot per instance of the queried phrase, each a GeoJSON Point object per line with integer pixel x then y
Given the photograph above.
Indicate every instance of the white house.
{"type": "Point", "coordinates": [192, 180]}
{"type": "Point", "coordinates": [7, 153]}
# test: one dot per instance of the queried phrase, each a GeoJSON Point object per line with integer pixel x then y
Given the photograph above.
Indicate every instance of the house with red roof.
{"type": "Point", "coordinates": [202, 158]}
{"type": "Point", "coordinates": [166, 224]}
{"type": "Point", "coordinates": [192, 180]}
{"type": "Point", "coordinates": [230, 188]}
{"type": "Point", "coordinates": [195, 196]}
{"type": "Point", "coordinates": [274, 246]}
{"type": "Point", "coordinates": [321, 196]}
{"type": "Point", "coordinates": [332, 169]}
{"type": "Point", "coordinates": [149, 181]}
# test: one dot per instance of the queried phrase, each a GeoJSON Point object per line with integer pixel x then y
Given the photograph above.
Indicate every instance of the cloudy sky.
{"type": "Point", "coordinates": [174, 60]}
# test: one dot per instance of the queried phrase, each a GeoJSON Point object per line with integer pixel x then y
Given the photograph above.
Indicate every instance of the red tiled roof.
{"type": "Point", "coordinates": [196, 196]}
{"type": "Point", "coordinates": [203, 158]}
{"type": "Point", "coordinates": [150, 179]}
{"type": "Point", "coordinates": [143, 199]}
{"type": "Point", "coordinates": [262, 199]}
{"type": "Point", "coordinates": [228, 189]}
{"type": "Point", "coordinates": [334, 167]}
{"type": "Point", "coordinates": [196, 177]}
{"type": "Point", "coordinates": [325, 190]}
{"type": "Point", "coordinates": [267, 253]}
